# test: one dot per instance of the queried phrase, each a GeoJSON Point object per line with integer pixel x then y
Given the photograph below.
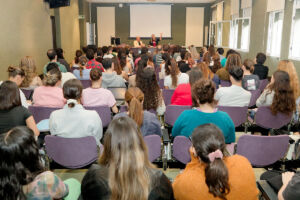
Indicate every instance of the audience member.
{"type": "Point", "coordinates": [23, 175]}
{"type": "Point", "coordinates": [82, 73]}
{"type": "Point", "coordinates": [288, 66]}
{"type": "Point", "coordinates": [118, 69]}
{"type": "Point", "coordinates": [108, 52]}
{"type": "Point", "coordinates": [278, 94]}
{"type": "Point", "coordinates": [109, 77]}
{"type": "Point", "coordinates": [189, 59]}
{"type": "Point", "coordinates": [154, 41]}
{"type": "Point", "coordinates": [99, 56]}
{"type": "Point", "coordinates": [234, 95]}
{"type": "Point", "coordinates": [259, 69]}
{"type": "Point", "coordinates": [31, 79]}
{"type": "Point", "coordinates": [97, 96]}
{"type": "Point", "coordinates": [17, 75]}
{"type": "Point", "coordinates": [174, 76]}
{"type": "Point", "coordinates": [133, 78]}
{"type": "Point", "coordinates": [50, 95]}
{"type": "Point", "coordinates": [147, 82]}
{"type": "Point", "coordinates": [290, 187]}
{"type": "Point", "coordinates": [12, 113]}
{"type": "Point", "coordinates": [221, 52]}
{"type": "Point", "coordinates": [215, 64]}
{"type": "Point", "coordinates": [144, 51]}
{"type": "Point", "coordinates": [124, 61]}
{"type": "Point", "coordinates": [208, 74]}
{"type": "Point", "coordinates": [233, 59]}
{"type": "Point", "coordinates": [176, 52]}
{"type": "Point", "coordinates": [52, 55]}
{"type": "Point", "coordinates": [166, 57]}
{"type": "Point", "coordinates": [92, 63]}
{"type": "Point", "coordinates": [182, 94]}
{"type": "Point", "coordinates": [124, 171]}
{"type": "Point", "coordinates": [146, 121]}
{"type": "Point", "coordinates": [203, 98]}
{"type": "Point", "coordinates": [229, 52]}
{"type": "Point", "coordinates": [138, 42]}
{"type": "Point", "coordinates": [194, 53]}
{"type": "Point", "coordinates": [182, 63]}
{"type": "Point", "coordinates": [61, 59]}
{"type": "Point", "coordinates": [211, 174]}
{"type": "Point", "coordinates": [73, 121]}
{"type": "Point", "coordinates": [250, 81]}
{"type": "Point", "coordinates": [75, 62]}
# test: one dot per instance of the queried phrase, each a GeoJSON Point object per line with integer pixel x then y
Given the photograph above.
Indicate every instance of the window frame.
{"type": "Point", "coordinates": [295, 8]}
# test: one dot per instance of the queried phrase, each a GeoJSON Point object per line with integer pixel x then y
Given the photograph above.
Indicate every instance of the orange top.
{"type": "Point", "coordinates": [190, 184]}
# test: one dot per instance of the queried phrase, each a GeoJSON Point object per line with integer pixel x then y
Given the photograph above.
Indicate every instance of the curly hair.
{"type": "Point", "coordinates": [284, 100]}
{"type": "Point", "coordinates": [203, 91]}
{"type": "Point", "coordinates": [21, 164]}
{"type": "Point", "coordinates": [233, 60]}
{"type": "Point", "coordinates": [28, 65]}
{"type": "Point", "coordinates": [149, 86]}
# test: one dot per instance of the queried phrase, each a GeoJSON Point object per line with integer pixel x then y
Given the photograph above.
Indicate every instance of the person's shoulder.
{"type": "Point", "coordinates": [237, 160]}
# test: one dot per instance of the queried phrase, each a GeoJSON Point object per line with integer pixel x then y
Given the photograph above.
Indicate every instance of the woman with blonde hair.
{"type": "Point", "coordinates": [288, 66]}
{"type": "Point", "coordinates": [147, 121]}
{"type": "Point", "coordinates": [124, 171]}
{"type": "Point", "coordinates": [31, 78]}
{"type": "Point", "coordinates": [208, 74]}
{"type": "Point", "coordinates": [194, 53]}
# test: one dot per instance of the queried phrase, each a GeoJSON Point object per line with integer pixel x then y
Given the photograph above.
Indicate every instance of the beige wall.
{"type": "Point", "coordinates": [25, 30]}
{"type": "Point", "coordinates": [69, 30]}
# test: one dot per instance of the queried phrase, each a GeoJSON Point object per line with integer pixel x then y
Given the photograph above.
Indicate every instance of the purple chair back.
{"type": "Point", "coordinates": [262, 151]}
{"type": "Point", "coordinates": [254, 96]}
{"type": "Point", "coordinates": [103, 112]}
{"type": "Point", "coordinates": [237, 114]}
{"type": "Point", "coordinates": [40, 113]}
{"type": "Point", "coordinates": [161, 83]}
{"type": "Point", "coordinates": [173, 112]}
{"type": "Point", "coordinates": [123, 108]}
{"type": "Point", "coordinates": [167, 94]}
{"type": "Point", "coordinates": [181, 147]}
{"type": "Point", "coordinates": [225, 83]}
{"type": "Point", "coordinates": [27, 92]}
{"type": "Point", "coordinates": [157, 70]}
{"type": "Point", "coordinates": [262, 84]}
{"type": "Point", "coordinates": [153, 143]}
{"type": "Point", "coordinates": [86, 83]}
{"type": "Point", "coordinates": [71, 152]}
{"type": "Point", "coordinates": [265, 119]}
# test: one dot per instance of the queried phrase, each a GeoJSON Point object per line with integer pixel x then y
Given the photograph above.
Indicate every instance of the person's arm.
{"type": "Point", "coordinates": [286, 178]}
{"type": "Point", "coordinates": [114, 108]}
{"type": "Point", "coordinates": [30, 123]}
{"type": "Point", "coordinates": [261, 101]}
{"type": "Point", "coordinates": [160, 37]}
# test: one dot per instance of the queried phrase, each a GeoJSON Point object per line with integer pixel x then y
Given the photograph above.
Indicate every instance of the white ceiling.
{"type": "Point", "coordinates": [151, 1]}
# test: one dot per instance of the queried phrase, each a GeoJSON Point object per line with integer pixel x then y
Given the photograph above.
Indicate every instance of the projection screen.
{"type": "Point", "coordinates": [146, 19]}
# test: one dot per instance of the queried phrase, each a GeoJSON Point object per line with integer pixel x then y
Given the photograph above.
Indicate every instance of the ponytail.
{"type": "Point", "coordinates": [209, 144]}
{"type": "Point", "coordinates": [135, 97]}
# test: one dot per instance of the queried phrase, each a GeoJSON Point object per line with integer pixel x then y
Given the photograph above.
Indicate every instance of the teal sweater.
{"type": "Point", "coordinates": [190, 119]}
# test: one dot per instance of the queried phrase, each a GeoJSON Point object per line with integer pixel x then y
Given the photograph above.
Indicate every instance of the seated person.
{"type": "Point", "coordinates": [82, 73]}
{"type": "Point", "coordinates": [173, 75]}
{"type": "Point", "coordinates": [73, 121]}
{"type": "Point", "coordinates": [117, 175]}
{"type": "Point", "coordinates": [50, 95]}
{"type": "Point", "coordinates": [211, 174]}
{"type": "Point", "coordinates": [234, 95]}
{"type": "Point", "coordinates": [92, 63]}
{"type": "Point", "coordinates": [182, 94]}
{"type": "Point", "coordinates": [97, 96]}
{"type": "Point", "coordinates": [12, 113]}
{"type": "Point", "coordinates": [290, 188]}
{"type": "Point", "coordinates": [138, 42]}
{"type": "Point", "coordinates": [250, 81]}
{"type": "Point", "coordinates": [154, 41]}
{"type": "Point", "coordinates": [259, 69]}
{"type": "Point", "coordinates": [107, 52]}
{"type": "Point", "coordinates": [25, 176]}
{"type": "Point", "coordinates": [110, 77]}
{"type": "Point", "coordinates": [208, 73]}
{"type": "Point", "coordinates": [65, 76]}
{"type": "Point", "coordinates": [233, 59]}
{"type": "Point", "coordinates": [278, 94]}
{"type": "Point", "coordinates": [147, 121]}
{"type": "Point", "coordinates": [52, 55]}
{"type": "Point", "coordinates": [31, 79]}
{"type": "Point", "coordinates": [203, 98]}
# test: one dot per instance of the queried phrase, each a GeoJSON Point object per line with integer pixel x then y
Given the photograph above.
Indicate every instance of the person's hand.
{"type": "Point", "coordinates": [287, 177]}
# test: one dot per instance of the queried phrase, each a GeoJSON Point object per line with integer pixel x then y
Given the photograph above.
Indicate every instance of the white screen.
{"type": "Point", "coordinates": [146, 20]}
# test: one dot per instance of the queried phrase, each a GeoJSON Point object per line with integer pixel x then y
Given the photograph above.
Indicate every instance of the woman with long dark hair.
{"type": "Point", "coordinates": [278, 94]}
{"type": "Point", "coordinates": [173, 75]}
{"type": "Point", "coordinates": [147, 82]}
{"type": "Point", "coordinates": [124, 171]}
{"type": "Point", "coordinates": [22, 174]}
{"type": "Point", "coordinates": [147, 121]}
{"type": "Point", "coordinates": [213, 175]}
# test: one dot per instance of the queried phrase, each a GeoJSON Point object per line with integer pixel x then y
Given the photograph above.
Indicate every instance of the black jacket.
{"type": "Point", "coordinates": [261, 71]}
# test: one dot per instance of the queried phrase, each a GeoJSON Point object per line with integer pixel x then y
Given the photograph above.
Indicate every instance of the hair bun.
{"type": "Point", "coordinates": [11, 69]}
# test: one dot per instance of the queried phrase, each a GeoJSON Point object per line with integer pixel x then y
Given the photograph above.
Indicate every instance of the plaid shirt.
{"type": "Point", "coordinates": [91, 64]}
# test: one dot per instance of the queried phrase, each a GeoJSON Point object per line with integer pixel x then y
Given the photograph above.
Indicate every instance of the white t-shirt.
{"type": "Point", "coordinates": [108, 56]}
{"type": "Point", "coordinates": [182, 78]}
{"type": "Point", "coordinates": [65, 76]}
{"type": "Point", "coordinates": [233, 96]}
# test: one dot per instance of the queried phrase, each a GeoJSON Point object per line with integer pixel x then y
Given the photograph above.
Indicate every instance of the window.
{"type": "Point", "coordinates": [245, 38]}
{"type": "Point", "coordinates": [234, 29]}
{"type": "Point", "coordinates": [275, 33]}
{"type": "Point", "coordinates": [295, 39]}
{"type": "Point", "coordinates": [219, 33]}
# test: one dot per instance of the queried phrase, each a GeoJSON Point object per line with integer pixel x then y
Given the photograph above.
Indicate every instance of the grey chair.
{"type": "Point", "coordinates": [153, 143]}
{"type": "Point", "coordinates": [103, 112]}
{"type": "Point", "coordinates": [173, 112]}
{"type": "Point", "coordinates": [263, 84]}
{"type": "Point", "coordinates": [167, 95]}
{"type": "Point", "coordinates": [237, 114]}
{"type": "Point", "coordinates": [40, 113]}
{"type": "Point", "coordinates": [181, 146]}
{"type": "Point", "coordinates": [254, 96]}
